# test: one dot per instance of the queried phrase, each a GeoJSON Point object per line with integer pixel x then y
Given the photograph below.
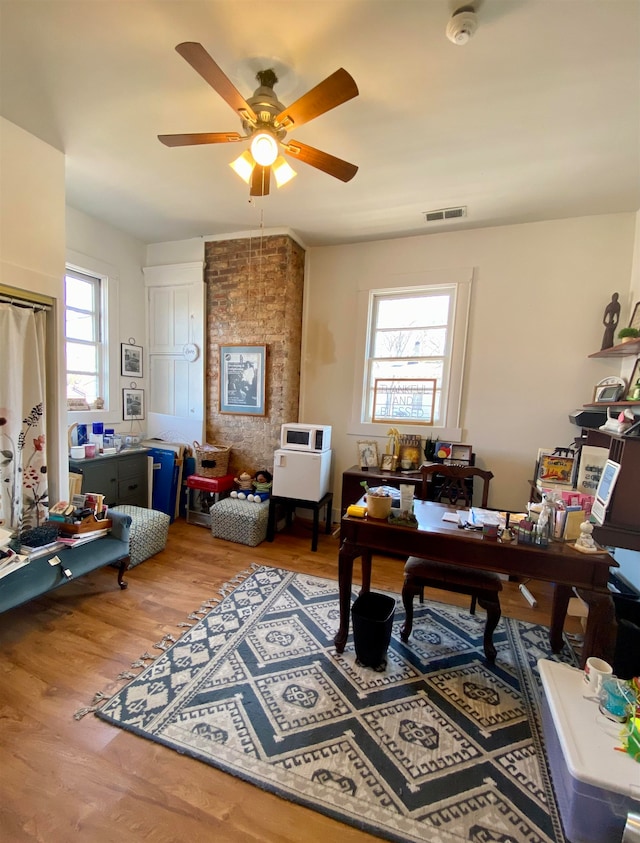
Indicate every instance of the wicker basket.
{"type": "Point", "coordinates": [211, 460]}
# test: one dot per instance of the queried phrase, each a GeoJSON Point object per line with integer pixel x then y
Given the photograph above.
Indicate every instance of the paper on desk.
{"type": "Point", "coordinates": [451, 516]}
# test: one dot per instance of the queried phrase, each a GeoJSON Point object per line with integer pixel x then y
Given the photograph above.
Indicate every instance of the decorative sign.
{"type": "Point", "coordinates": [404, 400]}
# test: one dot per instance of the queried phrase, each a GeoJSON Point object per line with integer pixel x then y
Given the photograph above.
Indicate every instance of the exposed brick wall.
{"type": "Point", "coordinates": [254, 297]}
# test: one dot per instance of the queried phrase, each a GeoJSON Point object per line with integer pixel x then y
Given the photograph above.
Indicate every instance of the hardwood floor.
{"type": "Point", "coordinates": [65, 780]}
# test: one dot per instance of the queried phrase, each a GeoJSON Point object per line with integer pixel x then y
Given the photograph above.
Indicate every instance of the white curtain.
{"type": "Point", "coordinates": [23, 456]}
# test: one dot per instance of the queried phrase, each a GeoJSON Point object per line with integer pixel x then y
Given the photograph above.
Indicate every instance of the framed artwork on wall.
{"type": "Point", "coordinates": [130, 360]}
{"type": "Point", "coordinates": [132, 404]}
{"type": "Point", "coordinates": [242, 379]}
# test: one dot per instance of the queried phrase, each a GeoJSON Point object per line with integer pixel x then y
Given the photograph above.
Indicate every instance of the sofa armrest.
{"type": "Point", "coordinates": [121, 524]}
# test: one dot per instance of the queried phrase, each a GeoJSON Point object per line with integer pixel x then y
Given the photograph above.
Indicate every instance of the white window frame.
{"type": "Point", "coordinates": [109, 363]}
{"type": "Point", "coordinates": [450, 429]}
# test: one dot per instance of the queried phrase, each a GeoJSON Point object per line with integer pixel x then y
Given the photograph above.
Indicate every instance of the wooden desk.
{"type": "Point", "coordinates": [444, 541]}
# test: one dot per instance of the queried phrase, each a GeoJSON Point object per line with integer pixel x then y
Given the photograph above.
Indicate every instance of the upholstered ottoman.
{"type": "Point", "coordinates": [148, 534]}
{"type": "Point", "coordinates": [240, 521]}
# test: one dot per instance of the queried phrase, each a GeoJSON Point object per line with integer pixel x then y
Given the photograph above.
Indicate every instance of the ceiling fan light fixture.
{"type": "Point", "coordinates": [282, 171]}
{"type": "Point", "coordinates": [243, 166]}
{"type": "Point", "coordinates": [264, 148]}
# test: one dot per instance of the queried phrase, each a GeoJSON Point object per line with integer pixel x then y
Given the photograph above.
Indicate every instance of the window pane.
{"type": "Point", "coordinates": [421, 311]}
{"type": "Point", "coordinates": [82, 386]}
{"type": "Point", "coordinates": [79, 293]}
{"type": "Point", "coordinates": [80, 326]}
{"type": "Point", "coordinates": [410, 343]}
{"type": "Point", "coordinates": [81, 358]}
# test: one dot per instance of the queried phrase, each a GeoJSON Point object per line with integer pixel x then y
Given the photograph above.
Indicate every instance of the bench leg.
{"type": "Point", "coordinates": [124, 564]}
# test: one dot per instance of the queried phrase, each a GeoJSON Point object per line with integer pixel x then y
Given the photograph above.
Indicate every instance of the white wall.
{"type": "Point", "coordinates": [94, 246]}
{"type": "Point", "coordinates": [538, 297]}
{"type": "Point", "coordinates": [32, 258]}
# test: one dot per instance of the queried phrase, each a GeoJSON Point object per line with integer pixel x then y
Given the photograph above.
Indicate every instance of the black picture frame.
{"type": "Point", "coordinates": [133, 404]}
{"type": "Point", "coordinates": [130, 360]}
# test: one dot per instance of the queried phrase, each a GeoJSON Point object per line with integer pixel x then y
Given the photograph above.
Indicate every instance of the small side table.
{"type": "Point", "coordinates": [202, 493]}
{"type": "Point", "coordinates": [292, 503]}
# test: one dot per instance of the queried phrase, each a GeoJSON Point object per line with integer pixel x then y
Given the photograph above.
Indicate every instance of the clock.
{"type": "Point", "coordinates": [190, 352]}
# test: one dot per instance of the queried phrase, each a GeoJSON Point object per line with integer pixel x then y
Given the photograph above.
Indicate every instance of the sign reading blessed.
{"type": "Point", "coordinates": [404, 400]}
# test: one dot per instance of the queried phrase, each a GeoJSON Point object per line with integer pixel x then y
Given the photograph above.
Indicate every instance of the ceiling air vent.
{"type": "Point", "coordinates": [445, 214]}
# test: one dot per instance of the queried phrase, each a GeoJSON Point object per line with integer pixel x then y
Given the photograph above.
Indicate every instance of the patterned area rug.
{"type": "Point", "coordinates": [440, 746]}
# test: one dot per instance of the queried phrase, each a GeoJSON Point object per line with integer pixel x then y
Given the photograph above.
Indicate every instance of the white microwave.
{"type": "Point", "coordinates": [305, 437]}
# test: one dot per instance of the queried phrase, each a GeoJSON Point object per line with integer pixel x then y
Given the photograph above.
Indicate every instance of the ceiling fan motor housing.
{"type": "Point", "coordinates": [462, 25]}
{"type": "Point", "coordinates": [266, 107]}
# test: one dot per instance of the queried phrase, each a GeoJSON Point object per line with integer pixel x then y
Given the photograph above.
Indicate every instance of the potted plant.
{"type": "Point", "coordinates": [626, 334]}
{"type": "Point", "coordinates": [378, 502]}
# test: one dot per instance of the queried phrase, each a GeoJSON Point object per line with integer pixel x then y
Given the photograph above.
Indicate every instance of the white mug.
{"type": "Point", "coordinates": [594, 671]}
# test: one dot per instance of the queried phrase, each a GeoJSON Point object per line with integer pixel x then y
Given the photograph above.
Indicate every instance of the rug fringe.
{"type": "Point", "coordinates": [101, 697]}
{"type": "Point", "coordinates": [98, 701]}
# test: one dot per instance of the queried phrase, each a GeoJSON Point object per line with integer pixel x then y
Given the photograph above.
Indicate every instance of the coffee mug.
{"type": "Point", "coordinates": [90, 449]}
{"type": "Point", "coordinates": [595, 670]}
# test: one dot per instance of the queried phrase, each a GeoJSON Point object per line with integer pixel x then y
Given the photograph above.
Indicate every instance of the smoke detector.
{"type": "Point", "coordinates": [462, 25]}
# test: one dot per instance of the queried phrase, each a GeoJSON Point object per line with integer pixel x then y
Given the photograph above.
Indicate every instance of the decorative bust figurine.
{"type": "Point", "coordinates": [585, 539]}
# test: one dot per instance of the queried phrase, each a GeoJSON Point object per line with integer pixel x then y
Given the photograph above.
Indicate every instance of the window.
{"type": "Point", "coordinates": [410, 345]}
{"type": "Point", "coordinates": [84, 332]}
{"type": "Point", "coordinates": [411, 340]}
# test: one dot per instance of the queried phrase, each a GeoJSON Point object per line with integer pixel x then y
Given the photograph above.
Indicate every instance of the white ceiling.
{"type": "Point", "coordinates": [537, 117]}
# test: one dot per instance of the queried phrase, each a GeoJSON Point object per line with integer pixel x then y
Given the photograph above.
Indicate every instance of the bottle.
{"type": "Point", "coordinates": [97, 435]}
{"type": "Point", "coordinates": [107, 440]}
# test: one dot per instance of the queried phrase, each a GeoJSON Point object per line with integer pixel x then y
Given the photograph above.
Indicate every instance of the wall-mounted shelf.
{"type": "Point", "coordinates": [624, 349]}
{"type": "Point", "coordinates": [606, 404]}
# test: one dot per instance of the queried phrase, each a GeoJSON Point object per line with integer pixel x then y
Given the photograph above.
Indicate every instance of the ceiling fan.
{"type": "Point", "coordinates": [265, 122]}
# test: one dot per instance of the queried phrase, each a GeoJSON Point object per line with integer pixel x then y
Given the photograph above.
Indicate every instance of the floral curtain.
{"type": "Point", "coordinates": [23, 457]}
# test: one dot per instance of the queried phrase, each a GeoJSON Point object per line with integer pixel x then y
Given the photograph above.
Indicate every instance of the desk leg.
{"type": "Point", "coordinates": [602, 628]}
{"type": "Point", "coordinates": [348, 552]}
{"type": "Point", "coordinates": [561, 596]}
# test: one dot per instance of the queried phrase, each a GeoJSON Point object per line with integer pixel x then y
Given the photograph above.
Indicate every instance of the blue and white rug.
{"type": "Point", "coordinates": [441, 746]}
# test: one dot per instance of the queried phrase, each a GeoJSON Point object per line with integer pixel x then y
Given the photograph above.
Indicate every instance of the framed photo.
{"type": "Point", "coordinates": [554, 468]}
{"type": "Point", "coordinates": [242, 379]}
{"type": "Point", "coordinates": [608, 390]}
{"type": "Point", "coordinates": [130, 360]}
{"type": "Point", "coordinates": [368, 454]}
{"type": "Point", "coordinates": [635, 317]}
{"type": "Point", "coordinates": [388, 462]}
{"type": "Point", "coordinates": [406, 400]}
{"type": "Point", "coordinates": [132, 404]}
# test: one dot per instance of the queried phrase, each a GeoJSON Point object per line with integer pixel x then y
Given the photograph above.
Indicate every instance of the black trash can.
{"type": "Point", "coordinates": [372, 616]}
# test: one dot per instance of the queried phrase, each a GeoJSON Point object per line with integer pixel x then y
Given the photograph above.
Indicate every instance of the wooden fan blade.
{"type": "Point", "coordinates": [202, 63]}
{"type": "Point", "coordinates": [199, 137]}
{"type": "Point", "coordinates": [336, 89]}
{"type": "Point", "coordinates": [260, 178]}
{"type": "Point", "coordinates": [335, 167]}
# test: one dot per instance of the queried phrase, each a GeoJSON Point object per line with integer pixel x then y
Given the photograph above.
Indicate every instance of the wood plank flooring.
{"type": "Point", "coordinates": [65, 780]}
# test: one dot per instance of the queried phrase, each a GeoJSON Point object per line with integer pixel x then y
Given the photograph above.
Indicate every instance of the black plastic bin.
{"type": "Point", "coordinates": [372, 616]}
